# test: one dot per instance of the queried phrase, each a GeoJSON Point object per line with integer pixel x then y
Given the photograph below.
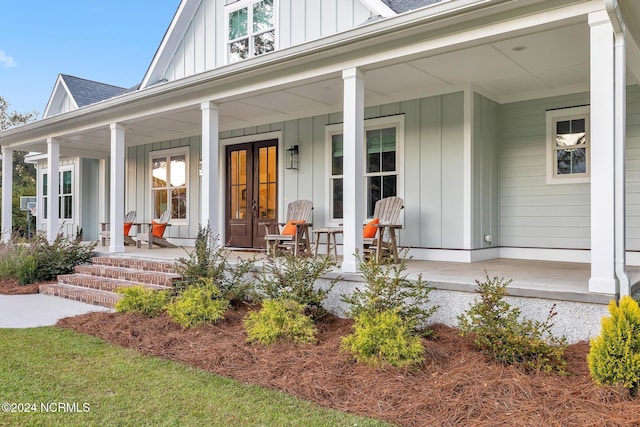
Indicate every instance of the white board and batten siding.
{"type": "Point", "coordinates": [433, 166]}
{"type": "Point", "coordinates": [138, 174]}
{"type": "Point", "coordinates": [203, 46]}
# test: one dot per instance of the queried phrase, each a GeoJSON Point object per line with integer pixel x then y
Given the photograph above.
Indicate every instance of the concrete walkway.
{"type": "Point", "coordinates": [29, 311]}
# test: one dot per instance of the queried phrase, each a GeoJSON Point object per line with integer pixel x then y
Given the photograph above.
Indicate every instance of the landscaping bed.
{"type": "Point", "coordinates": [11, 287]}
{"type": "Point", "coordinates": [456, 385]}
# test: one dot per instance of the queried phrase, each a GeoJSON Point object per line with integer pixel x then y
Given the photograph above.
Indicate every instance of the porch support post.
{"type": "Point", "coordinates": [210, 200]}
{"type": "Point", "coordinates": [7, 193]}
{"type": "Point", "coordinates": [53, 189]}
{"type": "Point", "coordinates": [117, 190]}
{"type": "Point", "coordinates": [353, 169]}
{"type": "Point", "coordinates": [602, 155]}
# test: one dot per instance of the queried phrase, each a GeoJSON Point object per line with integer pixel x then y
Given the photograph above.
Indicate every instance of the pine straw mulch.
{"type": "Point", "coordinates": [456, 386]}
{"type": "Point", "coordinates": [11, 287]}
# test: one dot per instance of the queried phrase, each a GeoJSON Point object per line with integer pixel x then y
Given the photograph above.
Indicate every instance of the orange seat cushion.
{"type": "Point", "coordinates": [157, 229]}
{"type": "Point", "coordinates": [127, 228]}
{"type": "Point", "coordinates": [370, 230]}
{"type": "Point", "coordinates": [290, 228]}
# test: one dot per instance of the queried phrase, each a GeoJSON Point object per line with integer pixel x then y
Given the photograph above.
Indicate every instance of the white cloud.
{"type": "Point", "coordinates": [6, 61]}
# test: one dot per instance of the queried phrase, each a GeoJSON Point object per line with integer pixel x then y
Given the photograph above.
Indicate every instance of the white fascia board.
{"type": "Point", "coordinates": [301, 63]}
{"type": "Point", "coordinates": [171, 40]}
{"type": "Point", "coordinates": [379, 8]}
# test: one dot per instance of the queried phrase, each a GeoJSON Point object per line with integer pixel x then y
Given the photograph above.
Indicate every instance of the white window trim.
{"type": "Point", "coordinates": [75, 194]}
{"type": "Point", "coordinates": [239, 5]}
{"type": "Point", "coordinates": [168, 153]}
{"type": "Point", "coordinates": [396, 121]}
{"type": "Point", "coordinates": [554, 116]}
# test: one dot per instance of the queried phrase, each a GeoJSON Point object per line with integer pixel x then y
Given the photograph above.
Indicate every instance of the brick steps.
{"type": "Point", "coordinates": [97, 283]}
{"type": "Point", "coordinates": [86, 295]}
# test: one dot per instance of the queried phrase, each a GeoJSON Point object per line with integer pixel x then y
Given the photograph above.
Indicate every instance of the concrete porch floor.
{"type": "Point", "coordinates": [563, 281]}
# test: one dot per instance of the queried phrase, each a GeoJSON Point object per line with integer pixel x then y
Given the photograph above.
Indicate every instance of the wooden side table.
{"type": "Point", "coordinates": [331, 233]}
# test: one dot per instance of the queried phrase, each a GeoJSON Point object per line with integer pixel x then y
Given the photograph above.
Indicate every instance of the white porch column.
{"type": "Point", "coordinates": [53, 189]}
{"type": "Point", "coordinates": [210, 200]}
{"type": "Point", "coordinates": [7, 193]}
{"type": "Point", "coordinates": [353, 167]}
{"type": "Point", "coordinates": [602, 155]}
{"type": "Point", "coordinates": [116, 205]}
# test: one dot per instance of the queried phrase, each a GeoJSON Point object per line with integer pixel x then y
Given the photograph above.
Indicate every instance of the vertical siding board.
{"type": "Point", "coordinates": [189, 51]}
{"type": "Point", "coordinates": [285, 28]}
{"type": "Point", "coordinates": [345, 15]}
{"type": "Point", "coordinates": [328, 17]}
{"type": "Point", "coordinates": [178, 62]}
{"type": "Point", "coordinates": [290, 183]}
{"type": "Point", "coordinates": [411, 235]}
{"type": "Point", "coordinates": [304, 174]}
{"type": "Point", "coordinates": [320, 173]}
{"type": "Point", "coordinates": [430, 225]}
{"type": "Point", "coordinates": [478, 145]}
{"type": "Point", "coordinates": [313, 19]}
{"type": "Point", "coordinates": [298, 21]}
{"type": "Point", "coordinates": [452, 171]}
{"type": "Point", "coordinates": [199, 39]}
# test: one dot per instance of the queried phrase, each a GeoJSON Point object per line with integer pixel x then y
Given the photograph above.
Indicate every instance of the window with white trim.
{"type": "Point", "coordinates": [250, 29]}
{"type": "Point", "coordinates": [65, 190]}
{"type": "Point", "coordinates": [568, 145]}
{"type": "Point", "coordinates": [382, 169]}
{"type": "Point", "coordinates": [169, 188]}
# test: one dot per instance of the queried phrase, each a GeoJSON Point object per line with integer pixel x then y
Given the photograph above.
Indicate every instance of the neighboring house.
{"type": "Point", "coordinates": [502, 125]}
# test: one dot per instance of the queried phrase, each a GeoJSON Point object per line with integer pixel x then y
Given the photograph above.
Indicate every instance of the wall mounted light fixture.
{"type": "Point", "coordinates": [292, 157]}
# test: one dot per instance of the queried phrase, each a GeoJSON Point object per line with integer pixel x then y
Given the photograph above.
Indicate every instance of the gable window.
{"type": "Point", "coordinates": [65, 189]}
{"type": "Point", "coordinates": [169, 172]}
{"type": "Point", "coordinates": [382, 169]}
{"type": "Point", "coordinates": [568, 145]}
{"type": "Point", "coordinates": [250, 29]}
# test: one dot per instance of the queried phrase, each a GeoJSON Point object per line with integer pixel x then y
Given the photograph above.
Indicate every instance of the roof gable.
{"type": "Point", "coordinates": [172, 38]}
{"type": "Point", "coordinates": [70, 93]}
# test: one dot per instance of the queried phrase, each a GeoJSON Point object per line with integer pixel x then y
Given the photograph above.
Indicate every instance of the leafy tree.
{"type": "Point", "coordinates": [24, 175]}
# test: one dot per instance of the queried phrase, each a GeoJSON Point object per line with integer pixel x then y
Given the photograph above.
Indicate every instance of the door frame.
{"type": "Point", "coordinates": [222, 152]}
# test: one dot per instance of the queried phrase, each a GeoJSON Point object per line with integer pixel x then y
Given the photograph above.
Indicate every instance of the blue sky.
{"type": "Point", "coordinates": [110, 41]}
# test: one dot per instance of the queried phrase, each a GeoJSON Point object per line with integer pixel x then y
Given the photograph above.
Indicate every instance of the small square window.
{"type": "Point", "coordinates": [568, 145]}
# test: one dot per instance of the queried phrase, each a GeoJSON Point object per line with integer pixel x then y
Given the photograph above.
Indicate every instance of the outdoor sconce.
{"type": "Point", "coordinates": [292, 154]}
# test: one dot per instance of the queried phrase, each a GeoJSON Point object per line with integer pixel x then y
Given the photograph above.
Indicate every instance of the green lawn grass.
{"type": "Point", "coordinates": [105, 385]}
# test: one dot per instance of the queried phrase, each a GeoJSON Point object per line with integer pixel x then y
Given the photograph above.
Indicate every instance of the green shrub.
{"type": "Point", "coordinates": [294, 279]}
{"type": "Point", "coordinates": [11, 257]}
{"type": "Point", "coordinates": [210, 260]}
{"type": "Point", "coordinates": [388, 288]}
{"type": "Point", "coordinates": [498, 331]}
{"type": "Point", "coordinates": [280, 318]}
{"type": "Point", "coordinates": [39, 261]}
{"type": "Point", "coordinates": [384, 338]}
{"type": "Point", "coordinates": [198, 304]}
{"type": "Point", "coordinates": [138, 299]}
{"type": "Point", "coordinates": [27, 269]}
{"type": "Point", "coordinates": [614, 357]}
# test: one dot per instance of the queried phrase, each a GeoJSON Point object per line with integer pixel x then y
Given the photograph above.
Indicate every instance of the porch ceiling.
{"type": "Point", "coordinates": [540, 63]}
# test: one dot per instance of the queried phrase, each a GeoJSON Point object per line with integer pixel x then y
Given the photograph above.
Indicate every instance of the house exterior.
{"type": "Point", "coordinates": [511, 129]}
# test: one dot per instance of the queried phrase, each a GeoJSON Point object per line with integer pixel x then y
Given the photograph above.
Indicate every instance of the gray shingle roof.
{"type": "Point", "coordinates": [87, 92]}
{"type": "Point", "coordinates": [401, 6]}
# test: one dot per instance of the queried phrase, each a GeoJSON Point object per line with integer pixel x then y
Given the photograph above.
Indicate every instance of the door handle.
{"type": "Point", "coordinates": [253, 209]}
